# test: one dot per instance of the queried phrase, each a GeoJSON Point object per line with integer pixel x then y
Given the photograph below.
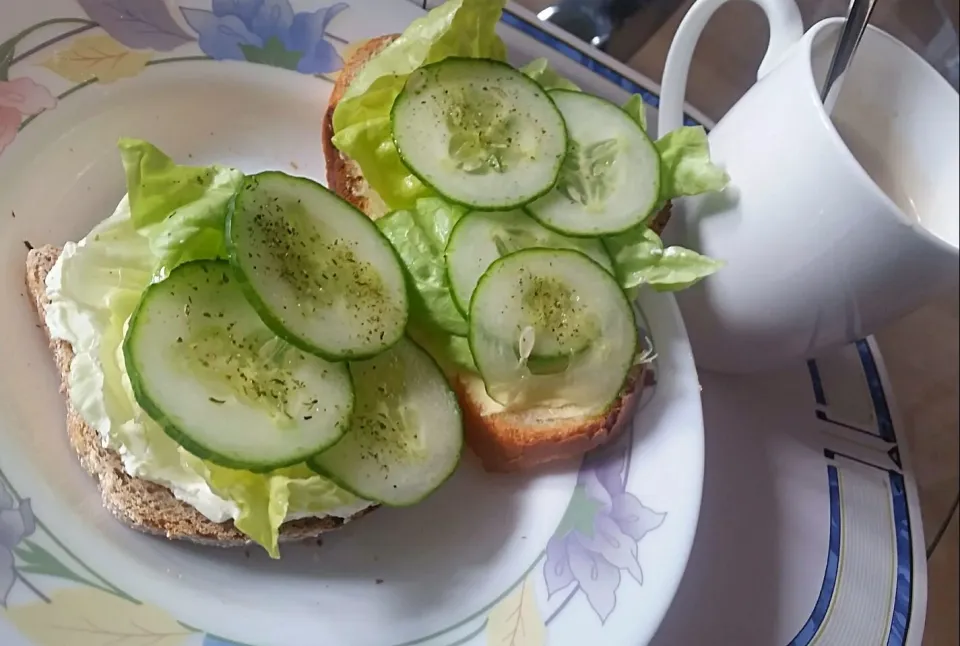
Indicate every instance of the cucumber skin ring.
{"type": "Point", "coordinates": [172, 430]}
{"type": "Point", "coordinates": [629, 306]}
{"type": "Point", "coordinates": [431, 186]}
{"type": "Point", "coordinates": [266, 315]}
{"type": "Point", "coordinates": [456, 463]}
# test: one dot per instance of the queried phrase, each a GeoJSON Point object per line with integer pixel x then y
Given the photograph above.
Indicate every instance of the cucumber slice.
{"type": "Point", "coordinates": [479, 238]}
{"type": "Point", "coordinates": [203, 366]}
{"type": "Point", "coordinates": [479, 132]}
{"type": "Point", "coordinates": [610, 180]}
{"type": "Point", "coordinates": [406, 435]}
{"type": "Point", "coordinates": [555, 303]}
{"type": "Point", "coordinates": [317, 270]}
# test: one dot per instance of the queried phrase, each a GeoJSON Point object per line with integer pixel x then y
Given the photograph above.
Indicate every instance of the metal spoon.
{"type": "Point", "coordinates": [858, 15]}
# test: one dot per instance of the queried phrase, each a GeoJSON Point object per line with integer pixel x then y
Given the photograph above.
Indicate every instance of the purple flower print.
{"type": "Point", "coordinates": [267, 32]}
{"type": "Point", "coordinates": [140, 24]}
{"type": "Point", "coordinates": [598, 536]}
{"type": "Point", "coordinates": [16, 523]}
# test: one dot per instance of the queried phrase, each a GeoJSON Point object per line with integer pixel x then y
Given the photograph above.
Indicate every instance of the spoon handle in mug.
{"type": "Point", "coordinates": [858, 17]}
{"type": "Point", "coordinates": [786, 28]}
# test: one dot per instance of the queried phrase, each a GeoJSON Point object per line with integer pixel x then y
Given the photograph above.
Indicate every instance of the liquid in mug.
{"type": "Point", "coordinates": [883, 168]}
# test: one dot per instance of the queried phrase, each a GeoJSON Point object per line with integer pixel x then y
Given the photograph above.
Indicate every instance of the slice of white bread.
{"type": "Point", "coordinates": [503, 440]}
{"type": "Point", "coordinates": [137, 503]}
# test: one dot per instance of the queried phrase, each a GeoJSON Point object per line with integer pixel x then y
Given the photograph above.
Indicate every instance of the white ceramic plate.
{"type": "Point", "coordinates": [563, 557]}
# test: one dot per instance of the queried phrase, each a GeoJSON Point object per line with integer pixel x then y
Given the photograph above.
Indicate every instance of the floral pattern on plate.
{"type": "Point", "coordinates": [267, 32]}
{"type": "Point", "coordinates": [47, 593]}
{"type": "Point", "coordinates": [16, 523]}
{"type": "Point", "coordinates": [597, 538]}
{"type": "Point", "coordinates": [22, 97]}
{"type": "Point", "coordinates": [133, 32]}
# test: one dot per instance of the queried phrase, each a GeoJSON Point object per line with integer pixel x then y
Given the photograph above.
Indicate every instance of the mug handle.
{"type": "Point", "coordinates": [786, 28]}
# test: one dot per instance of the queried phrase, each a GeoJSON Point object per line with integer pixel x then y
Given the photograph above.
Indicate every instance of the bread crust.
{"type": "Point", "coordinates": [343, 175]}
{"type": "Point", "coordinates": [141, 505]}
{"type": "Point", "coordinates": [504, 441]}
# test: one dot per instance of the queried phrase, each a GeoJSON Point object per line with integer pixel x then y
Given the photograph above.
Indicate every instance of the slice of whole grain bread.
{"type": "Point", "coordinates": [503, 440]}
{"type": "Point", "coordinates": [137, 503]}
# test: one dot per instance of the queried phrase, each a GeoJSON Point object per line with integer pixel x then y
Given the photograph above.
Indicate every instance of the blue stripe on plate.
{"type": "Point", "coordinates": [829, 585]}
{"type": "Point", "coordinates": [823, 417]}
{"type": "Point", "coordinates": [871, 373]}
{"type": "Point", "coordinates": [903, 595]}
{"type": "Point", "coordinates": [902, 605]}
{"type": "Point", "coordinates": [817, 383]}
{"type": "Point", "coordinates": [601, 69]}
{"type": "Point", "coordinates": [882, 410]}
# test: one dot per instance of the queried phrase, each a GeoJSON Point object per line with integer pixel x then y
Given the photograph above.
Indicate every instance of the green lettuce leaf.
{"type": "Point", "coordinates": [436, 218]}
{"type": "Point", "coordinates": [265, 500]}
{"type": "Point", "coordinates": [361, 120]}
{"type": "Point", "coordinates": [93, 290]}
{"type": "Point", "coordinates": [180, 209]}
{"type": "Point", "coordinates": [636, 108]}
{"type": "Point", "coordinates": [452, 353]}
{"type": "Point", "coordinates": [686, 169]}
{"type": "Point", "coordinates": [685, 164]}
{"type": "Point", "coordinates": [541, 72]}
{"type": "Point", "coordinates": [641, 259]}
{"type": "Point", "coordinates": [420, 236]}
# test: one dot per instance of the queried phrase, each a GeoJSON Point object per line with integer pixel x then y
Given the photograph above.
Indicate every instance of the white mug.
{"type": "Point", "coordinates": [827, 236]}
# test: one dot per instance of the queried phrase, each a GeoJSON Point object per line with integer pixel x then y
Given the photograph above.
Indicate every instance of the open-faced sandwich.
{"type": "Point", "coordinates": [256, 357]}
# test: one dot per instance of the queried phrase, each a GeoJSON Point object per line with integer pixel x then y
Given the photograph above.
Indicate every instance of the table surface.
{"type": "Point", "coordinates": [922, 351]}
